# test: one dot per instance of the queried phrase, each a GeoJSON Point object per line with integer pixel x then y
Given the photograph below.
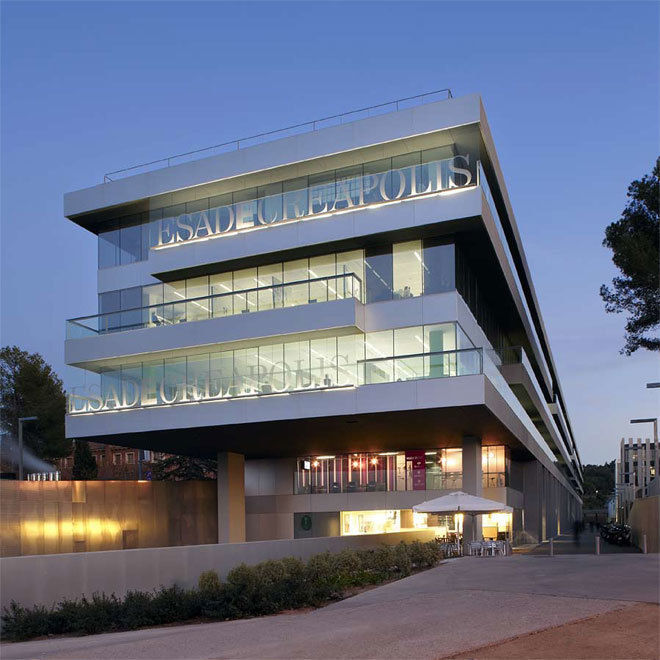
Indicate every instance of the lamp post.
{"type": "Point", "coordinates": [20, 444]}
{"type": "Point", "coordinates": [648, 420]}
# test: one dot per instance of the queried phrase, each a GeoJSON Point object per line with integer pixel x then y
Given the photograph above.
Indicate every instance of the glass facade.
{"type": "Point", "coordinates": [391, 271]}
{"type": "Point", "coordinates": [284, 367]}
{"type": "Point", "coordinates": [386, 521]}
{"type": "Point", "coordinates": [129, 238]}
{"type": "Point", "coordinates": [438, 469]}
{"type": "Point", "coordinates": [495, 464]}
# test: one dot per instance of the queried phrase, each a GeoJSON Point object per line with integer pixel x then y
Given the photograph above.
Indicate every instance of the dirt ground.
{"type": "Point", "coordinates": [626, 634]}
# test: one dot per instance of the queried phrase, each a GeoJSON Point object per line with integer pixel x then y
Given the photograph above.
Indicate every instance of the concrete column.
{"type": "Point", "coordinates": [532, 497]}
{"type": "Point", "coordinates": [472, 484]}
{"type": "Point", "coordinates": [231, 498]}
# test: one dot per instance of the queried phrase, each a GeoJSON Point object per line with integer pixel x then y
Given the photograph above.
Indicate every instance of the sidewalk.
{"type": "Point", "coordinates": [565, 545]}
{"type": "Point", "coordinates": [463, 604]}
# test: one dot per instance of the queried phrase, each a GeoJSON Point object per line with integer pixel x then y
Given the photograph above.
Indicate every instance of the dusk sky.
{"type": "Point", "coordinates": [571, 92]}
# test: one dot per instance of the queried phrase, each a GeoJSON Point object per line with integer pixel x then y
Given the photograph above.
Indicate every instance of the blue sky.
{"type": "Point", "coordinates": [571, 92]}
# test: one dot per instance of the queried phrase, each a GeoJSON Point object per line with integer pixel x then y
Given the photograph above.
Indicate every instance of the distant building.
{"type": "Point", "coordinates": [638, 465]}
{"type": "Point", "coordinates": [113, 462]}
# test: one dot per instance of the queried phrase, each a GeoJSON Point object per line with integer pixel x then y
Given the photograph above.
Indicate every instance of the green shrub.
{"type": "Point", "coordinates": [268, 587]}
{"type": "Point", "coordinates": [209, 582]}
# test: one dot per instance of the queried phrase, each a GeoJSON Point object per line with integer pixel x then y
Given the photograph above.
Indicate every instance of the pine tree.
{"type": "Point", "coordinates": [84, 465]}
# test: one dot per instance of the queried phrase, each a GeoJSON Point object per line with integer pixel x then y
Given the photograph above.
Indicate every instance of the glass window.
{"type": "Point", "coordinates": [378, 267]}
{"type": "Point", "coordinates": [270, 276]}
{"type": "Point", "coordinates": [197, 377]}
{"type": "Point", "coordinates": [109, 248]}
{"type": "Point", "coordinates": [438, 339]}
{"type": "Point", "coordinates": [174, 293]}
{"type": "Point", "coordinates": [323, 354]}
{"type": "Point", "coordinates": [197, 287]}
{"type": "Point", "coordinates": [218, 285]}
{"type": "Point", "coordinates": [174, 379]}
{"type": "Point", "coordinates": [221, 381]}
{"type": "Point", "coordinates": [152, 382]}
{"type": "Point", "coordinates": [296, 271]}
{"type": "Point", "coordinates": [131, 244]}
{"type": "Point", "coordinates": [409, 342]}
{"type": "Point", "coordinates": [246, 366]}
{"type": "Point", "coordinates": [109, 306]}
{"type": "Point", "coordinates": [245, 208]}
{"type": "Point", "coordinates": [379, 349]}
{"type": "Point", "coordinates": [111, 387]}
{"type": "Point", "coordinates": [152, 294]}
{"type": "Point", "coordinates": [271, 368]}
{"type": "Point", "coordinates": [452, 468]}
{"type": "Point", "coordinates": [350, 353]}
{"type": "Point", "coordinates": [407, 267]}
{"type": "Point", "coordinates": [131, 382]}
{"type": "Point", "coordinates": [323, 290]}
{"type": "Point", "coordinates": [439, 266]}
{"type": "Point", "coordinates": [296, 358]}
{"type": "Point", "coordinates": [269, 206]}
{"type": "Point", "coordinates": [294, 198]}
{"type": "Point", "coordinates": [405, 170]}
{"type": "Point", "coordinates": [349, 180]}
{"type": "Point", "coordinates": [244, 280]}
{"type": "Point", "coordinates": [372, 181]}
{"type": "Point", "coordinates": [131, 299]}
{"type": "Point", "coordinates": [350, 262]}
{"type": "Point", "coordinates": [322, 192]}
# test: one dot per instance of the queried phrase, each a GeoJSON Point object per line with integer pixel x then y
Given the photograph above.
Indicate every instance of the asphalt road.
{"type": "Point", "coordinates": [460, 605]}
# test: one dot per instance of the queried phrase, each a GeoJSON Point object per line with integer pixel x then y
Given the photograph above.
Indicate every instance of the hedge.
{"type": "Point", "coordinates": [265, 588]}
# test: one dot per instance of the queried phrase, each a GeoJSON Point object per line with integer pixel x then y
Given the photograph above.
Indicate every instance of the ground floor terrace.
{"type": "Point", "coordinates": [356, 462]}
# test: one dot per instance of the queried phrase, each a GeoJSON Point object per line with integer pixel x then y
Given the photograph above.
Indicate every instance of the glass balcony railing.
{"type": "Point", "coordinates": [275, 296]}
{"type": "Point", "coordinates": [148, 385]}
{"type": "Point", "coordinates": [441, 364]}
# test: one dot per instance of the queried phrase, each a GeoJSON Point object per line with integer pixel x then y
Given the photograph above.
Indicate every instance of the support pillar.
{"type": "Point", "coordinates": [231, 498]}
{"type": "Point", "coordinates": [472, 485]}
{"type": "Point", "coordinates": [532, 500]}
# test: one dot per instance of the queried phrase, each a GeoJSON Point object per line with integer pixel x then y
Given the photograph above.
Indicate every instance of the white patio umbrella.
{"type": "Point", "coordinates": [460, 502]}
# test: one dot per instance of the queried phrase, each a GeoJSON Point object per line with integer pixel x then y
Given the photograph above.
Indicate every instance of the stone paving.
{"type": "Point", "coordinates": [462, 604]}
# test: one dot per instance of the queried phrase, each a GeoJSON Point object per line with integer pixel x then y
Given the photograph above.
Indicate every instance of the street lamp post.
{"type": "Point", "coordinates": [648, 420]}
{"type": "Point", "coordinates": [20, 444]}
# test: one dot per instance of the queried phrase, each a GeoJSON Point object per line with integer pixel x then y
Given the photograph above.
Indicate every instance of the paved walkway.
{"type": "Point", "coordinates": [565, 545]}
{"type": "Point", "coordinates": [460, 605]}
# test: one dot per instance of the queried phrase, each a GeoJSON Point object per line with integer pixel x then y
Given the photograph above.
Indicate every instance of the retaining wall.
{"type": "Point", "coordinates": [46, 579]}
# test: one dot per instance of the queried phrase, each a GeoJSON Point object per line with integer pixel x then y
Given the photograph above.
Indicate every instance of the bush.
{"type": "Point", "coordinates": [266, 588]}
{"type": "Point", "coordinates": [209, 582]}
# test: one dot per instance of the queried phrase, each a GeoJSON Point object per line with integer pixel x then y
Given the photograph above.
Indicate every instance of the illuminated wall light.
{"type": "Point", "coordinates": [374, 461]}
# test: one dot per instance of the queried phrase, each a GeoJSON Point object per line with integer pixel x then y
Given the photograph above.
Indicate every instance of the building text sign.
{"type": "Point", "coordinates": [341, 195]}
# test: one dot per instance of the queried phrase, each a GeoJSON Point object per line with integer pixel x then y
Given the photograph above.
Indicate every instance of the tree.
{"type": "Point", "coordinates": [184, 468]}
{"type": "Point", "coordinates": [84, 465]}
{"type": "Point", "coordinates": [29, 387]}
{"type": "Point", "coordinates": [598, 485]}
{"type": "Point", "coordinates": [635, 252]}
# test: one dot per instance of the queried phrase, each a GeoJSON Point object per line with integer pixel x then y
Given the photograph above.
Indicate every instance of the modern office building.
{"type": "Point", "coordinates": [344, 315]}
{"type": "Point", "coordinates": [638, 465]}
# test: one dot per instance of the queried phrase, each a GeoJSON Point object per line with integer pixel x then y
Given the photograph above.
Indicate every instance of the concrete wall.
{"type": "Point", "coordinates": [47, 579]}
{"type": "Point", "coordinates": [46, 517]}
{"type": "Point", "coordinates": [645, 519]}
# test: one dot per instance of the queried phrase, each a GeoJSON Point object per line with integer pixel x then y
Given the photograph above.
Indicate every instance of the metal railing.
{"type": "Point", "coordinates": [296, 129]}
{"type": "Point", "coordinates": [274, 296]}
